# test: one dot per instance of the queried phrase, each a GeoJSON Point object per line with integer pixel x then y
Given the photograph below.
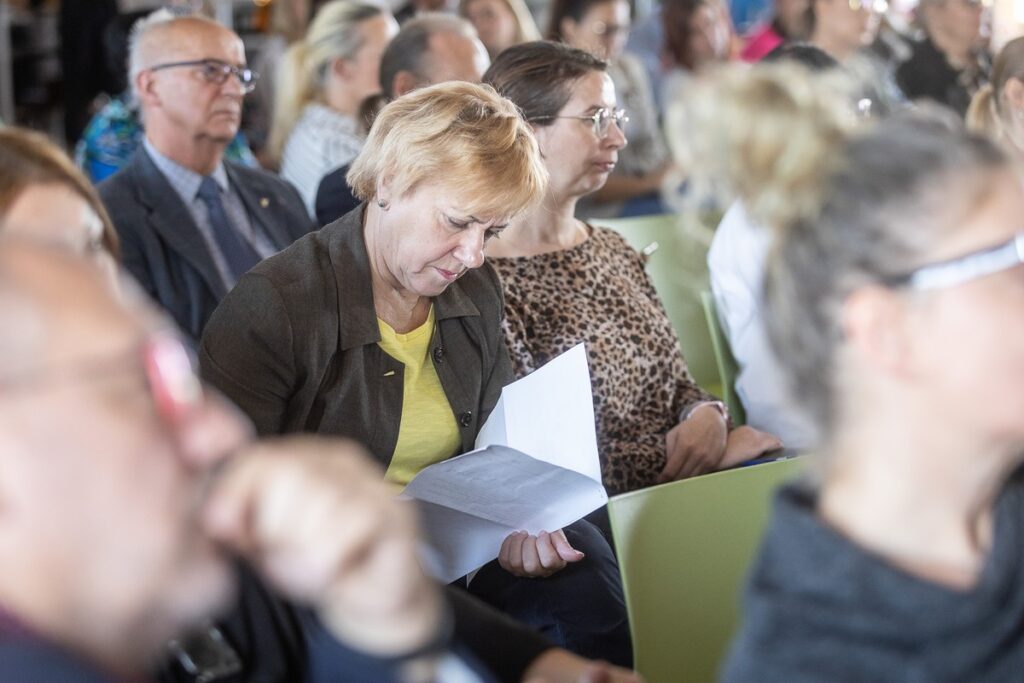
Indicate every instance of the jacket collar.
{"type": "Point", "coordinates": [350, 262]}
{"type": "Point", "coordinates": [170, 218]}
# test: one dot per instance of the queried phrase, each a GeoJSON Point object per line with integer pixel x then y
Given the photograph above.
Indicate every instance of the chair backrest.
{"type": "Point", "coordinates": [679, 270]}
{"type": "Point", "coordinates": [684, 549]}
{"type": "Point", "coordinates": [728, 368]}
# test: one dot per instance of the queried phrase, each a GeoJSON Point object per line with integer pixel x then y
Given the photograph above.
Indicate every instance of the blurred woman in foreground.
{"type": "Point", "coordinates": [894, 297]}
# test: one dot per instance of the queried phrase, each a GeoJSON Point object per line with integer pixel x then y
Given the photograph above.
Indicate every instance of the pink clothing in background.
{"type": "Point", "coordinates": [760, 43]}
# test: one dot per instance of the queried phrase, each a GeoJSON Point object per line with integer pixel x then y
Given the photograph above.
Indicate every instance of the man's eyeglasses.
{"type": "Point", "coordinates": [216, 72]}
{"type": "Point", "coordinates": [169, 372]}
{"type": "Point", "coordinates": [601, 119]}
{"type": "Point", "coordinates": [957, 271]}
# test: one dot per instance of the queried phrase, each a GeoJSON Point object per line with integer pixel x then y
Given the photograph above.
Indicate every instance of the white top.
{"type": "Point", "coordinates": [321, 141]}
{"type": "Point", "coordinates": [736, 262]}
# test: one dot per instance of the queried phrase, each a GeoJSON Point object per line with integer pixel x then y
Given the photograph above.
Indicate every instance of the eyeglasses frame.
{"type": "Point", "coordinates": [226, 70]}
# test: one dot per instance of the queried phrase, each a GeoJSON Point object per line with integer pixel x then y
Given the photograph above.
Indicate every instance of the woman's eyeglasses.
{"type": "Point", "coordinates": [601, 119]}
{"type": "Point", "coordinates": [957, 271]}
{"type": "Point", "coordinates": [216, 72]}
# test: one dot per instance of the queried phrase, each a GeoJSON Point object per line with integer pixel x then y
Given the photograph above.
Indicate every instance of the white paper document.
{"type": "Point", "coordinates": [535, 469]}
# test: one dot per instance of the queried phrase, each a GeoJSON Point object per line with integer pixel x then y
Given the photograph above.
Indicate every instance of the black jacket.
{"type": "Point", "coordinates": [162, 246]}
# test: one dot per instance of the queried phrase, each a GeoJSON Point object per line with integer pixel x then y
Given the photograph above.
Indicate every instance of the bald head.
{"type": "Point", "coordinates": [164, 37]}
{"type": "Point", "coordinates": [431, 49]}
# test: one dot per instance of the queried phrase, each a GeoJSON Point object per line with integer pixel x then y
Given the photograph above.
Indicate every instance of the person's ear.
{"type": "Point", "coordinates": [540, 133]}
{"type": "Point", "coordinates": [1013, 97]}
{"type": "Point", "coordinates": [145, 88]}
{"type": "Point", "coordinates": [341, 68]}
{"type": "Point", "coordinates": [384, 189]}
{"type": "Point", "coordinates": [404, 82]}
{"type": "Point", "coordinates": [570, 29]}
{"type": "Point", "coordinates": [878, 326]}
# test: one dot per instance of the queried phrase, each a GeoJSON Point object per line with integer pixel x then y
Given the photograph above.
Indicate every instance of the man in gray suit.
{"type": "Point", "coordinates": [191, 223]}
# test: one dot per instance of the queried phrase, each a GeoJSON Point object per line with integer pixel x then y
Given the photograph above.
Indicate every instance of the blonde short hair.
{"type": "Point", "coordinates": [464, 134]}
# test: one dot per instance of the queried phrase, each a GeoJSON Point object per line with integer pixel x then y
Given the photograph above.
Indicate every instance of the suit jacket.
{"type": "Point", "coordinates": [334, 197]}
{"type": "Point", "coordinates": [163, 248]}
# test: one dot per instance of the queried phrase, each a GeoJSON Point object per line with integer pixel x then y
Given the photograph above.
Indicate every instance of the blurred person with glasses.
{"type": "Point", "coordinates": [171, 557]}
{"type": "Point", "coordinates": [168, 513]}
{"type": "Point", "coordinates": [568, 281]}
{"type": "Point", "coordinates": [950, 64]}
{"type": "Point", "coordinates": [601, 27]}
{"type": "Point", "coordinates": [190, 222]}
{"type": "Point", "coordinates": [892, 300]}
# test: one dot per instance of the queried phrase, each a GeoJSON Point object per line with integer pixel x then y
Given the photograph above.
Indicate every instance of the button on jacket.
{"type": "Point", "coordinates": [294, 344]}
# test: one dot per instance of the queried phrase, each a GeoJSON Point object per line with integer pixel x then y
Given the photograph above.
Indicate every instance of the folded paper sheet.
{"type": "Point", "coordinates": [535, 469]}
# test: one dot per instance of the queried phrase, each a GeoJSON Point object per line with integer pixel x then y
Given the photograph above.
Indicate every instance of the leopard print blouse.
{"type": "Point", "coordinates": [599, 293]}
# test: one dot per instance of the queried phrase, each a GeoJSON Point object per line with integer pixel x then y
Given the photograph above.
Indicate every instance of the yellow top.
{"type": "Point", "coordinates": [428, 432]}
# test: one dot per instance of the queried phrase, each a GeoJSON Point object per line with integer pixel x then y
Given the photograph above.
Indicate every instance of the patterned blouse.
{"type": "Point", "coordinates": [599, 293]}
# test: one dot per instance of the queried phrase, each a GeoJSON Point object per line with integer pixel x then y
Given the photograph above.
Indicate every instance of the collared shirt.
{"type": "Point", "coordinates": [186, 183]}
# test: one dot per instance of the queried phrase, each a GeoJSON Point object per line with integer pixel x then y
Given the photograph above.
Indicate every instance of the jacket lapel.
{"type": "Point", "coordinates": [171, 219]}
{"type": "Point", "coordinates": [261, 204]}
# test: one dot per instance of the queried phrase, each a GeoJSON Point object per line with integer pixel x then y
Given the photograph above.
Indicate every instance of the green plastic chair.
{"type": "Point", "coordinates": [678, 267]}
{"type": "Point", "coordinates": [728, 368]}
{"type": "Point", "coordinates": [684, 549]}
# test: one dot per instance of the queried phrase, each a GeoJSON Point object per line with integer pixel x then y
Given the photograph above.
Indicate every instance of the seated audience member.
{"type": "Point", "coordinates": [567, 282]}
{"type": "Point", "coordinates": [323, 80]}
{"type": "Point", "coordinates": [892, 296]}
{"type": "Point", "coordinates": [500, 23]}
{"type": "Point", "coordinates": [399, 290]}
{"type": "Point", "coordinates": [601, 27]}
{"type": "Point", "coordinates": [156, 487]}
{"type": "Point", "coordinates": [430, 49]}
{"type": "Point", "coordinates": [191, 223]}
{"type": "Point", "coordinates": [997, 110]}
{"type": "Point", "coordinates": [842, 27]}
{"type": "Point", "coordinates": [788, 24]}
{"type": "Point", "coordinates": [697, 35]}
{"type": "Point", "coordinates": [848, 30]}
{"type": "Point", "coordinates": [947, 66]}
{"type": "Point", "coordinates": [736, 263]}
{"type": "Point", "coordinates": [115, 132]}
{"type": "Point", "coordinates": [43, 197]}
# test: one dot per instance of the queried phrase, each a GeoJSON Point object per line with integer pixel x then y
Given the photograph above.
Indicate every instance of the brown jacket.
{"type": "Point", "coordinates": [294, 344]}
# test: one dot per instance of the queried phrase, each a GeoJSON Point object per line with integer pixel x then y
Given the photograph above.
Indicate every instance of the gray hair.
{"type": "Point", "coordinates": [139, 49]}
{"type": "Point", "coordinates": [407, 51]}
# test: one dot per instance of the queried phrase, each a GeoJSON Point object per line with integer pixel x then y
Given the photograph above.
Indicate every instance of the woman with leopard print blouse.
{"type": "Point", "coordinates": [567, 282]}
